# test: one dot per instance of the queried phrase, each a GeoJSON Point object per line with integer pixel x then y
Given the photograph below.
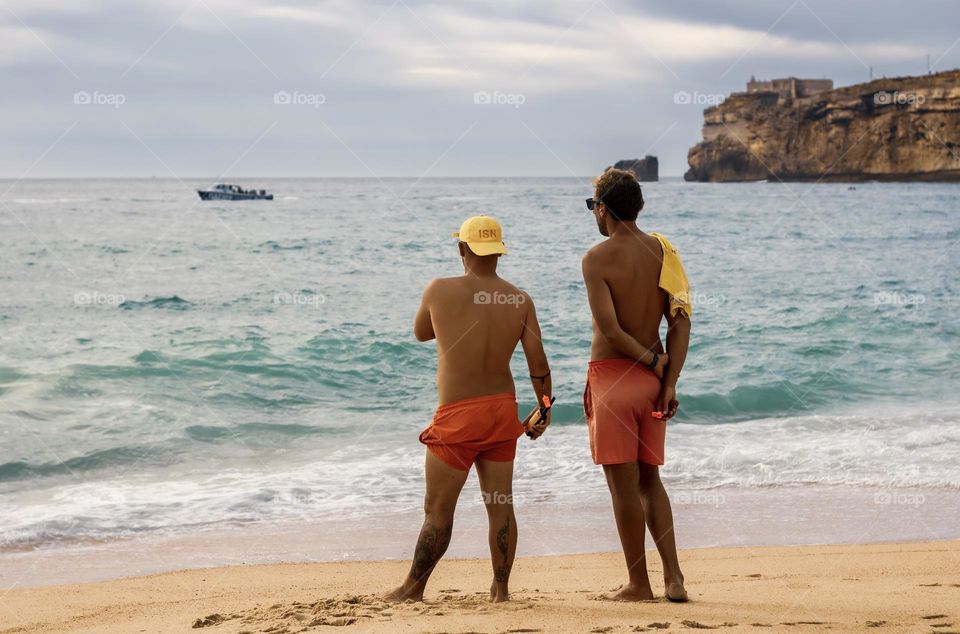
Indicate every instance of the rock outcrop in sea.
{"type": "Point", "coordinates": [646, 169]}
{"type": "Point", "coordinates": [900, 129]}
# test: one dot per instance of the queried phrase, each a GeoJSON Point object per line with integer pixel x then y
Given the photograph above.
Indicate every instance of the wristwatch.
{"type": "Point", "coordinates": [653, 364]}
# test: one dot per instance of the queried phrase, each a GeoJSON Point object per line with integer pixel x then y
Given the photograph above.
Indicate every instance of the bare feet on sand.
{"type": "Point", "coordinates": [675, 591]}
{"type": "Point", "coordinates": [498, 593]}
{"type": "Point", "coordinates": [629, 593]}
{"type": "Point", "coordinates": [661, 365]}
{"type": "Point", "coordinates": [401, 594]}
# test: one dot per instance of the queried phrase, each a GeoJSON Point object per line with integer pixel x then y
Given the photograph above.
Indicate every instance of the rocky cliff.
{"type": "Point", "coordinates": [907, 128]}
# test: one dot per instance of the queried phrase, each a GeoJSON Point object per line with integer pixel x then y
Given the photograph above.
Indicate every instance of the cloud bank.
{"type": "Point", "coordinates": [408, 87]}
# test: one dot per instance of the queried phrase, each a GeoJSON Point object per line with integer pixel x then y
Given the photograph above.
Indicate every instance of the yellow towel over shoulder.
{"type": "Point", "coordinates": [673, 279]}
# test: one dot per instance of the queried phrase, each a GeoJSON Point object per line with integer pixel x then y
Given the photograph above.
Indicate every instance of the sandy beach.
{"type": "Point", "coordinates": [899, 587]}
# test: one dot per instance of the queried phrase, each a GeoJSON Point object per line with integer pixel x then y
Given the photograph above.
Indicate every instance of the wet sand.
{"type": "Point", "coordinates": [899, 587]}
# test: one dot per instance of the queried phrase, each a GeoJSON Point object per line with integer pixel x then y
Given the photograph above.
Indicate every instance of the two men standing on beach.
{"type": "Point", "coordinates": [633, 281]}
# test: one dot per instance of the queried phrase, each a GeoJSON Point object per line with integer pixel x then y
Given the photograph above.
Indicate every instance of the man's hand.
{"type": "Point", "coordinates": [661, 365]}
{"type": "Point", "coordinates": [537, 430]}
{"type": "Point", "coordinates": [667, 402]}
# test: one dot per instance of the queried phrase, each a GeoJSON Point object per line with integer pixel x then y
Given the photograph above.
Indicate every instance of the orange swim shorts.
{"type": "Point", "coordinates": [485, 427]}
{"type": "Point", "coordinates": [618, 403]}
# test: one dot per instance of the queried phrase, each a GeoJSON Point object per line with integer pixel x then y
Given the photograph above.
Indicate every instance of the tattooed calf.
{"type": "Point", "coordinates": [431, 545]}
{"type": "Point", "coordinates": [501, 572]}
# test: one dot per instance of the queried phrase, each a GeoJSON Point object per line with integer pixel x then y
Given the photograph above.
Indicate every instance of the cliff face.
{"type": "Point", "coordinates": [906, 128]}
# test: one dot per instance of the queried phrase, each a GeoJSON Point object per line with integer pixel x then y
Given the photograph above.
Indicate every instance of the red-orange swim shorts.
{"type": "Point", "coordinates": [485, 427]}
{"type": "Point", "coordinates": [618, 403]}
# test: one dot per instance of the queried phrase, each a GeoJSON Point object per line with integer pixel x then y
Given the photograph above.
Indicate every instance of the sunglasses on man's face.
{"type": "Point", "coordinates": [593, 203]}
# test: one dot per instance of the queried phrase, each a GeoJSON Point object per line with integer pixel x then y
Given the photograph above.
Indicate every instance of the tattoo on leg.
{"type": "Point", "coordinates": [502, 571]}
{"type": "Point", "coordinates": [431, 545]}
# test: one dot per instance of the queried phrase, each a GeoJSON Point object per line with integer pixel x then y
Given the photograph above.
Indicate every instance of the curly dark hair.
{"type": "Point", "coordinates": [620, 191]}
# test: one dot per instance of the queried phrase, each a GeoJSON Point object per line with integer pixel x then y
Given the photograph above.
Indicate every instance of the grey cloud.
{"type": "Point", "coordinates": [597, 84]}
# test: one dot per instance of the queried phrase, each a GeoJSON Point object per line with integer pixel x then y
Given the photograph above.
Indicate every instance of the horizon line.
{"type": "Point", "coordinates": [234, 178]}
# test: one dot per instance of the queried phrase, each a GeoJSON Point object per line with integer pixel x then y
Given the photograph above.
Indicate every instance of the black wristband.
{"type": "Point", "coordinates": [653, 364]}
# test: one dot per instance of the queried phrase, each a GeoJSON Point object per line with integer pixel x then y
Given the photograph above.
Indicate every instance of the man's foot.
{"type": "Point", "coordinates": [661, 365]}
{"type": "Point", "coordinates": [401, 594]}
{"type": "Point", "coordinates": [498, 593]}
{"type": "Point", "coordinates": [675, 591]}
{"type": "Point", "coordinates": [629, 593]}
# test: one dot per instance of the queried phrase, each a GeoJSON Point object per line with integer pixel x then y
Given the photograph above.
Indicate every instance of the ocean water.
{"type": "Point", "coordinates": [169, 367]}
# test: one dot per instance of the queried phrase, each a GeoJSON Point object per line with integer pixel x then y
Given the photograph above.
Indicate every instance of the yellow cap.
{"type": "Point", "coordinates": [483, 235]}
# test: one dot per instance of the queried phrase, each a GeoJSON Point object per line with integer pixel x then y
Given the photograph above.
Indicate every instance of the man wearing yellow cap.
{"type": "Point", "coordinates": [478, 319]}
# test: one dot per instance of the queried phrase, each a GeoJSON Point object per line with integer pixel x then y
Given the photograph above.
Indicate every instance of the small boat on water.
{"type": "Point", "coordinates": [233, 192]}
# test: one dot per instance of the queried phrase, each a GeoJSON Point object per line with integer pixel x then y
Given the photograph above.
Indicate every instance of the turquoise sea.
{"type": "Point", "coordinates": [170, 367]}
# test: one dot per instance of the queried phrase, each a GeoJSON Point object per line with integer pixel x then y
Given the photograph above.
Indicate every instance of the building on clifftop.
{"type": "Point", "coordinates": [790, 88]}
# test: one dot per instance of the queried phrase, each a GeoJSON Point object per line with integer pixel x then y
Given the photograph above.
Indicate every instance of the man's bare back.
{"type": "Point", "coordinates": [478, 322]}
{"type": "Point", "coordinates": [623, 279]}
{"type": "Point", "coordinates": [477, 319]}
{"type": "Point", "coordinates": [629, 264]}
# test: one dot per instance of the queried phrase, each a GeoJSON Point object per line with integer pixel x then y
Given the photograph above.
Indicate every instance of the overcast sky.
{"type": "Point", "coordinates": [391, 87]}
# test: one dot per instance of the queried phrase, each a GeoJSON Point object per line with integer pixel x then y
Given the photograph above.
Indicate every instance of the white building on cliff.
{"type": "Point", "coordinates": [790, 87]}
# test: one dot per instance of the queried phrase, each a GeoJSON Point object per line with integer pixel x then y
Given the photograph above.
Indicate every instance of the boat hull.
{"type": "Point", "coordinates": [206, 194]}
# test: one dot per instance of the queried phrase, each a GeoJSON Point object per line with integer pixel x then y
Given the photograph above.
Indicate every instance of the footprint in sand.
{"type": "Point", "coordinates": [335, 621]}
{"type": "Point", "coordinates": [278, 617]}
{"type": "Point", "coordinates": [350, 610]}
{"type": "Point", "coordinates": [208, 621]}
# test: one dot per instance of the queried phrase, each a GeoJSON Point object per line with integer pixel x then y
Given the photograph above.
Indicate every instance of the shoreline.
{"type": "Point", "coordinates": [896, 587]}
{"type": "Point", "coordinates": [717, 518]}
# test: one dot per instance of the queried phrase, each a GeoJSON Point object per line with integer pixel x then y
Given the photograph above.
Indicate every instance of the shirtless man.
{"type": "Point", "coordinates": [477, 320]}
{"type": "Point", "coordinates": [634, 280]}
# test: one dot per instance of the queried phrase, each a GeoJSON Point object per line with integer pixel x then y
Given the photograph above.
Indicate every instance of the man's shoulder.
{"type": "Point", "coordinates": [442, 286]}
{"type": "Point", "coordinates": [663, 240]}
{"type": "Point", "coordinates": [600, 254]}
{"type": "Point", "coordinates": [445, 282]}
{"type": "Point", "coordinates": [515, 290]}
{"type": "Point", "coordinates": [510, 286]}
{"type": "Point", "coordinates": [597, 251]}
